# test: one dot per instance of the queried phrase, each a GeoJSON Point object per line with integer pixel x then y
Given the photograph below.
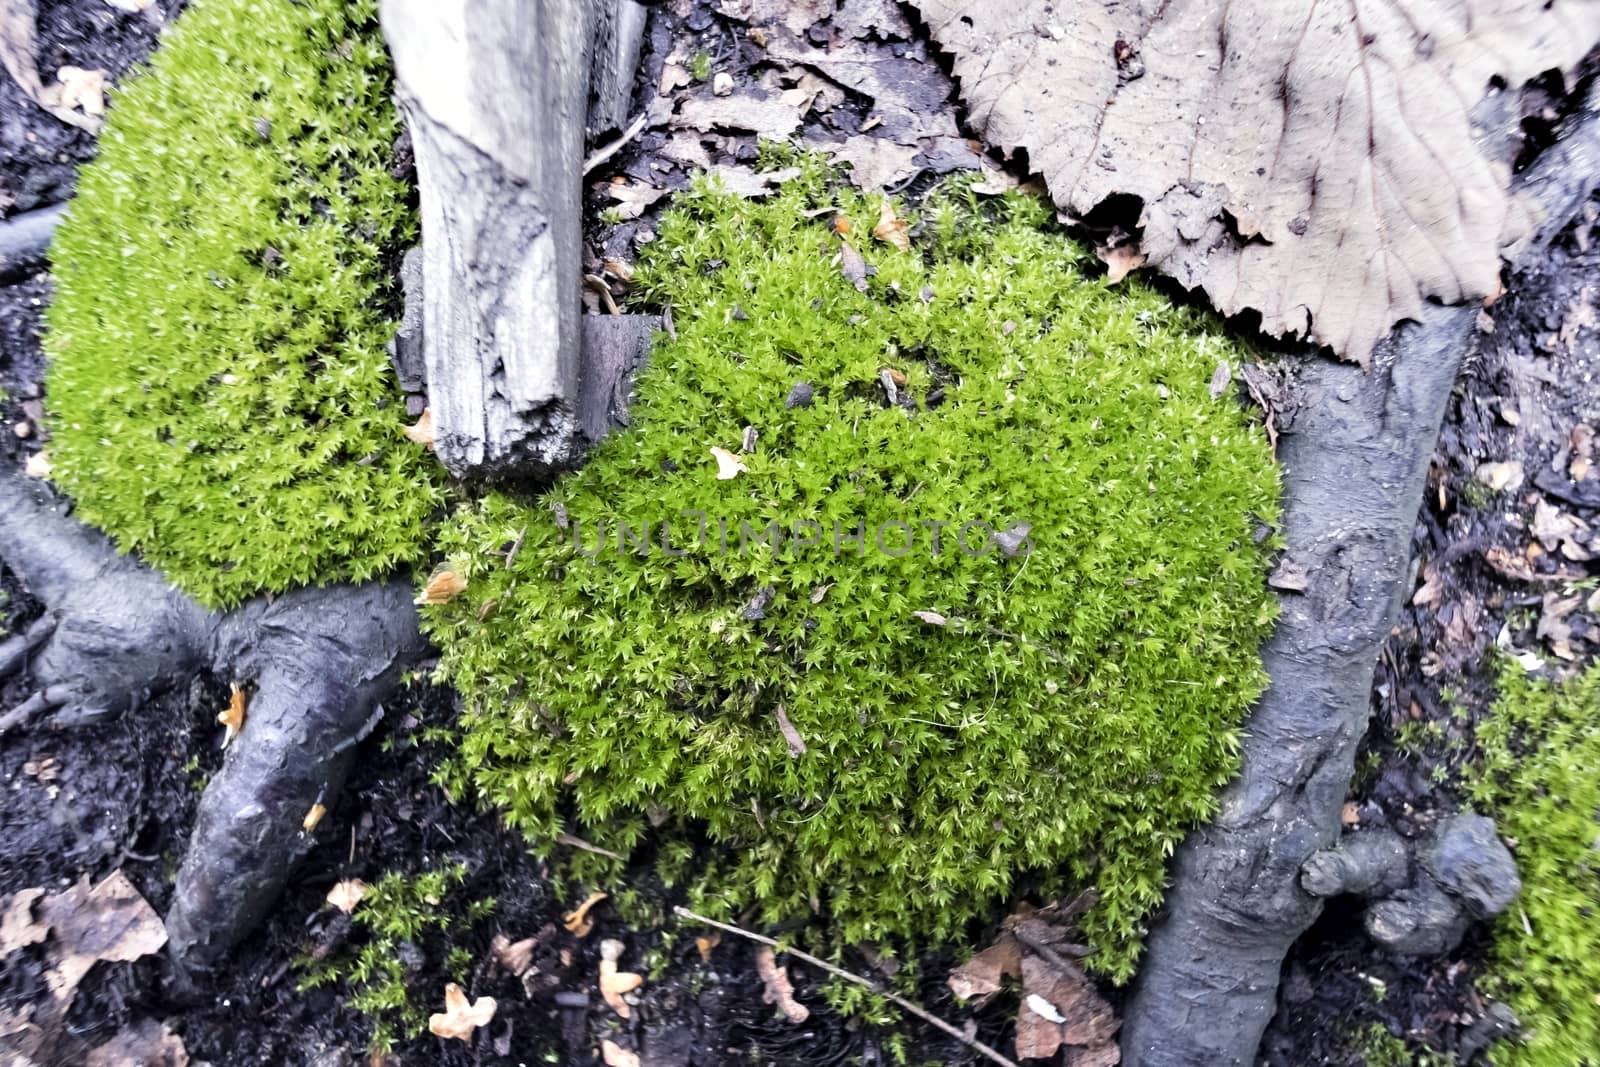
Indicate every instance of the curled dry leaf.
{"type": "Point", "coordinates": [1062, 1009]}
{"type": "Point", "coordinates": [18, 927]}
{"type": "Point", "coordinates": [577, 920]}
{"type": "Point", "coordinates": [232, 716]}
{"type": "Point", "coordinates": [791, 736]}
{"type": "Point", "coordinates": [145, 1044]}
{"type": "Point", "coordinates": [38, 466]}
{"type": "Point", "coordinates": [422, 432]}
{"type": "Point", "coordinates": [705, 943]}
{"type": "Point", "coordinates": [1120, 261]}
{"type": "Point", "coordinates": [313, 817]}
{"type": "Point", "coordinates": [613, 982]}
{"type": "Point", "coordinates": [84, 89]}
{"type": "Point", "coordinates": [615, 1055]}
{"type": "Point", "coordinates": [347, 894]}
{"type": "Point", "coordinates": [461, 1017]}
{"type": "Point", "coordinates": [980, 977]}
{"type": "Point", "coordinates": [856, 270]}
{"type": "Point", "coordinates": [779, 991]}
{"type": "Point", "coordinates": [444, 585]}
{"type": "Point", "coordinates": [932, 618]}
{"type": "Point", "coordinates": [891, 228]}
{"type": "Point", "coordinates": [1500, 477]}
{"type": "Point", "coordinates": [728, 465]}
{"type": "Point", "coordinates": [515, 956]}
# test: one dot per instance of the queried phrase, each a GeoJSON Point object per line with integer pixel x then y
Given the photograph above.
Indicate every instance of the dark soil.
{"type": "Point", "coordinates": [1532, 381]}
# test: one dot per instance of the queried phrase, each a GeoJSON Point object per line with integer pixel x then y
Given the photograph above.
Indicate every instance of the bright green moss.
{"type": "Point", "coordinates": [1076, 712]}
{"type": "Point", "coordinates": [1538, 779]}
{"type": "Point", "coordinates": [220, 396]}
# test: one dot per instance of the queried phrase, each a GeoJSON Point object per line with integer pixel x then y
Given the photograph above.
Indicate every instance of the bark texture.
{"type": "Point", "coordinates": [25, 238]}
{"type": "Point", "coordinates": [495, 94]}
{"type": "Point", "coordinates": [619, 34]}
{"type": "Point", "coordinates": [1354, 463]}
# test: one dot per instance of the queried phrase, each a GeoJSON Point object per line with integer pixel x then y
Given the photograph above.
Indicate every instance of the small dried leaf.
{"type": "Point", "coordinates": [615, 1055]}
{"type": "Point", "coordinates": [1220, 379]}
{"type": "Point", "coordinates": [891, 228]}
{"type": "Point", "coordinates": [18, 927]}
{"type": "Point", "coordinates": [515, 956]}
{"type": "Point", "coordinates": [614, 983]}
{"type": "Point", "coordinates": [461, 1018]}
{"type": "Point", "coordinates": [704, 944]}
{"type": "Point", "coordinates": [728, 465]}
{"type": "Point", "coordinates": [422, 432]}
{"type": "Point", "coordinates": [791, 736]}
{"type": "Point", "coordinates": [853, 267]}
{"type": "Point", "coordinates": [1120, 261]}
{"type": "Point", "coordinates": [232, 716]}
{"type": "Point", "coordinates": [313, 817]}
{"type": "Point", "coordinates": [85, 89]}
{"type": "Point", "coordinates": [1500, 476]}
{"type": "Point", "coordinates": [820, 592]}
{"type": "Point", "coordinates": [1291, 577]}
{"type": "Point", "coordinates": [347, 894]}
{"type": "Point", "coordinates": [38, 466]}
{"type": "Point", "coordinates": [932, 618]}
{"type": "Point", "coordinates": [444, 585]}
{"type": "Point", "coordinates": [577, 920]}
{"type": "Point", "coordinates": [980, 977]}
{"type": "Point", "coordinates": [779, 991]}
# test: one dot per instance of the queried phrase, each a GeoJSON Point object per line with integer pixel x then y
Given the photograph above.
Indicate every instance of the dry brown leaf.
{"type": "Point", "coordinates": [1500, 477]}
{"type": "Point", "coordinates": [631, 198]}
{"type": "Point", "coordinates": [38, 466]}
{"type": "Point", "coordinates": [515, 956]}
{"type": "Point", "coordinates": [85, 89]}
{"type": "Point", "coordinates": [1063, 1009]}
{"type": "Point", "coordinates": [615, 1055]}
{"type": "Point", "coordinates": [18, 927]}
{"type": "Point", "coordinates": [980, 977]}
{"type": "Point", "coordinates": [422, 432]}
{"type": "Point", "coordinates": [577, 920]}
{"type": "Point", "coordinates": [460, 1017]}
{"type": "Point", "coordinates": [856, 270]}
{"type": "Point", "coordinates": [932, 618]}
{"type": "Point", "coordinates": [875, 162]}
{"type": "Point", "coordinates": [748, 183]}
{"type": "Point", "coordinates": [704, 943]}
{"type": "Point", "coordinates": [791, 736]}
{"type": "Point", "coordinates": [18, 48]}
{"type": "Point", "coordinates": [1343, 134]}
{"type": "Point", "coordinates": [1350, 814]}
{"type": "Point", "coordinates": [729, 466]}
{"type": "Point", "coordinates": [109, 922]}
{"type": "Point", "coordinates": [1120, 261]}
{"type": "Point", "coordinates": [779, 991]}
{"type": "Point", "coordinates": [613, 982]}
{"type": "Point", "coordinates": [347, 894]}
{"type": "Point", "coordinates": [891, 228]}
{"type": "Point", "coordinates": [751, 108]}
{"type": "Point", "coordinates": [313, 816]}
{"type": "Point", "coordinates": [146, 1044]}
{"type": "Point", "coordinates": [232, 716]}
{"type": "Point", "coordinates": [444, 585]}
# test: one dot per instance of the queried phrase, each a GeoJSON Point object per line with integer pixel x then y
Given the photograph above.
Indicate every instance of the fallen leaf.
{"type": "Point", "coordinates": [1062, 1009]}
{"type": "Point", "coordinates": [1290, 577]}
{"type": "Point", "coordinates": [18, 47]}
{"type": "Point", "coordinates": [704, 943]}
{"type": "Point", "coordinates": [133, 7]}
{"type": "Point", "coordinates": [577, 920]}
{"type": "Point", "coordinates": [779, 990]}
{"type": "Point", "coordinates": [313, 817]}
{"type": "Point", "coordinates": [891, 228]}
{"type": "Point", "coordinates": [875, 162]}
{"type": "Point", "coordinates": [820, 592]}
{"type": "Point", "coordinates": [729, 466]}
{"type": "Point", "coordinates": [980, 977]}
{"type": "Point", "coordinates": [722, 83]}
{"type": "Point", "coordinates": [232, 717]}
{"type": "Point", "coordinates": [515, 956]}
{"type": "Point", "coordinates": [460, 1018]}
{"type": "Point", "coordinates": [422, 432]}
{"type": "Point", "coordinates": [613, 982]}
{"type": "Point", "coordinates": [1219, 380]}
{"type": "Point", "coordinates": [748, 183]}
{"type": "Point", "coordinates": [750, 108]}
{"type": "Point", "coordinates": [18, 927]}
{"type": "Point", "coordinates": [631, 198]}
{"type": "Point", "coordinates": [932, 618]}
{"type": "Point", "coordinates": [146, 1044]}
{"type": "Point", "coordinates": [85, 89]}
{"type": "Point", "coordinates": [791, 736]}
{"type": "Point", "coordinates": [615, 1055]}
{"type": "Point", "coordinates": [1120, 261]}
{"type": "Point", "coordinates": [1500, 476]}
{"type": "Point", "coordinates": [1350, 814]}
{"type": "Point", "coordinates": [856, 270]}
{"type": "Point", "coordinates": [1351, 150]}
{"type": "Point", "coordinates": [444, 585]}
{"type": "Point", "coordinates": [38, 466]}
{"type": "Point", "coordinates": [673, 77]}
{"type": "Point", "coordinates": [347, 894]}
{"type": "Point", "coordinates": [109, 922]}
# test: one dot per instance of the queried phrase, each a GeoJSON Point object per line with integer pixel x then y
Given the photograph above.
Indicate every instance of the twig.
{"type": "Point", "coordinates": [611, 148]}
{"type": "Point", "coordinates": [867, 983]}
{"type": "Point", "coordinates": [573, 841]}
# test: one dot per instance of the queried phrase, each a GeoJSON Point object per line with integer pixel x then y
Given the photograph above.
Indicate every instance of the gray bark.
{"type": "Point", "coordinates": [495, 93]}
{"type": "Point", "coordinates": [25, 238]}
{"type": "Point", "coordinates": [619, 34]}
{"type": "Point", "coordinates": [1354, 468]}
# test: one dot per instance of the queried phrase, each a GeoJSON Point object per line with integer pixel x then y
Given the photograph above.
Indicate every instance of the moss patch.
{"type": "Point", "coordinates": [1068, 709]}
{"type": "Point", "coordinates": [1537, 778]}
{"type": "Point", "coordinates": [220, 396]}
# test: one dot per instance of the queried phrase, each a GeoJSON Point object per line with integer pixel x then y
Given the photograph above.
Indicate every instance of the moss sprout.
{"type": "Point", "coordinates": [1537, 778]}
{"type": "Point", "coordinates": [977, 597]}
{"type": "Point", "coordinates": [220, 398]}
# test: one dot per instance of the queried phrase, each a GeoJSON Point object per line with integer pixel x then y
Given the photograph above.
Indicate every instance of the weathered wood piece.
{"type": "Point", "coordinates": [619, 34]}
{"type": "Point", "coordinates": [495, 94]}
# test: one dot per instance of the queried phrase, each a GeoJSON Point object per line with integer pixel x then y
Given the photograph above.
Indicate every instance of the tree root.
{"type": "Point", "coordinates": [1354, 465]}
{"type": "Point", "coordinates": [320, 661]}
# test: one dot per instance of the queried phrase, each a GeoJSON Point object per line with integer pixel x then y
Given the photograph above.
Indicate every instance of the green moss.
{"type": "Point", "coordinates": [220, 396]}
{"type": "Point", "coordinates": [1377, 1047]}
{"type": "Point", "coordinates": [1080, 705]}
{"type": "Point", "coordinates": [402, 923]}
{"type": "Point", "coordinates": [1537, 778]}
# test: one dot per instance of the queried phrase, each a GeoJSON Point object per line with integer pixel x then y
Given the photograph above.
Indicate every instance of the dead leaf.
{"type": "Point", "coordinates": [980, 977]}
{"type": "Point", "coordinates": [109, 922]}
{"type": "Point", "coordinates": [577, 920]}
{"type": "Point", "coordinates": [460, 1018]}
{"type": "Point", "coordinates": [875, 162]}
{"type": "Point", "coordinates": [1581, 441]}
{"type": "Point", "coordinates": [631, 198]}
{"type": "Point", "coordinates": [1350, 814]}
{"type": "Point", "coordinates": [515, 956]}
{"type": "Point", "coordinates": [891, 228]}
{"type": "Point", "coordinates": [932, 618]}
{"type": "Point", "coordinates": [856, 270]}
{"type": "Point", "coordinates": [232, 716]}
{"type": "Point", "coordinates": [613, 982]}
{"type": "Point", "coordinates": [444, 585]}
{"type": "Point", "coordinates": [704, 943]}
{"type": "Point", "coordinates": [146, 1044]}
{"type": "Point", "coordinates": [729, 466]}
{"type": "Point", "coordinates": [1290, 577]}
{"type": "Point", "coordinates": [673, 77]}
{"type": "Point", "coordinates": [1500, 477]}
{"type": "Point", "coordinates": [422, 432]}
{"type": "Point", "coordinates": [779, 990]}
{"type": "Point", "coordinates": [18, 927]}
{"type": "Point", "coordinates": [38, 466]}
{"type": "Point", "coordinates": [132, 7]}
{"type": "Point", "coordinates": [1350, 148]}
{"type": "Point", "coordinates": [748, 183]}
{"type": "Point", "coordinates": [1062, 1009]}
{"type": "Point", "coordinates": [347, 894]}
{"type": "Point", "coordinates": [615, 1055]}
{"type": "Point", "coordinates": [18, 49]}
{"type": "Point", "coordinates": [751, 108]}
{"type": "Point", "coordinates": [84, 89]}
{"type": "Point", "coordinates": [791, 736]}
{"type": "Point", "coordinates": [1120, 260]}
{"type": "Point", "coordinates": [1219, 380]}
{"type": "Point", "coordinates": [796, 15]}
{"type": "Point", "coordinates": [313, 817]}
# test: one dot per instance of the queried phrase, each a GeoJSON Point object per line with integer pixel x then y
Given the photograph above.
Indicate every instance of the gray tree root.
{"type": "Point", "coordinates": [1354, 466]}
{"type": "Point", "coordinates": [317, 662]}
{"type": "Point", "coordinates": [25, 239]}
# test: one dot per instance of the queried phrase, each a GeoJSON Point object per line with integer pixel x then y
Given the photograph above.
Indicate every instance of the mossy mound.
{"type": "Point", "coordinates": [220, 397]}
{"type": "Point", "coordinates": [1537, 778]}
{"type": "Point", "coordinates": [1068, 708]}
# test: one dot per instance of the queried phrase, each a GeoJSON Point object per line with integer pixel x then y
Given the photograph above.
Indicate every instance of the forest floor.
{"type": "Point", "coordinates": [1496, 568]}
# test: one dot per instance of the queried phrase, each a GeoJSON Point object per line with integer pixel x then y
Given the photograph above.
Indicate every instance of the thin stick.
{"type": "Point", "coordinates": [611, 148]}
{"type": "Point", "coordinates": [839, 972]}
